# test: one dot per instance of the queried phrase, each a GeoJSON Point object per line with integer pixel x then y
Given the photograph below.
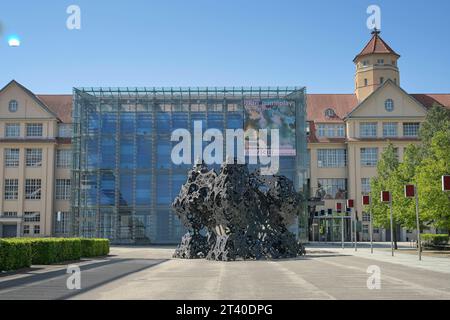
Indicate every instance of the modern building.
{"type": "Point", "coordinates": [124, 179]}
{"type": "Point", "coordinates": [112, 176]}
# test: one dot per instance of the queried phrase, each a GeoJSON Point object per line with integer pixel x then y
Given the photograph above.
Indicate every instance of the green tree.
{"type": "Point", "coordinates": [438, 119]}
{"type": "Point", "coordinates": [435, 204]}
{"type": "Point", "coordinates": [404, 208]}
{"type": "Point", "coordinates": [387, 180]}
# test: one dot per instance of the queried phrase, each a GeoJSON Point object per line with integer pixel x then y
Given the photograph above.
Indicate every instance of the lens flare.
{"type": "Point", "coordinates": [13, 41]}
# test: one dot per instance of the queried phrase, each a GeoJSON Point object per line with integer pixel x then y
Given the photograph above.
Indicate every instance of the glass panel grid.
{"type": "Point", "coordinates": [63, 189]}
{"type": "Point", "coordinates": [33, 158]}
{"type": "Point", "coordinates": [390, 129]}
{"type": "Point", "coordinates": [11, 189]}
{"type": "Point", "coordinates": [12, 130]}
{"type": "Point", "coordinates": [331, 158]}
{"type": "Point", "coordinates": [34, 129]}
{"type": "Point", "coordinates": [12, 157]}
{"type": "Point", "coordinates": [411, 129]}
{"type": "Point", "coordinates": [369, 157]}
{"type": "Point", "coordinates": [33, 189]}
{"type": "Point", "coordinates": [368, 130]}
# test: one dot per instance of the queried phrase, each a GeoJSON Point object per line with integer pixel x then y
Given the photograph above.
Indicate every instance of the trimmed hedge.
{"type": "Point", "coordinates": [49, 251]}
{"type": "Point", "coordinates": [22, 253]}
{"type": "Point", "coordinates": [94, 247]}
{"type": "Point", "coordinates": [15, 254]}
{"type": "Point", "coordinates": [435, 239]}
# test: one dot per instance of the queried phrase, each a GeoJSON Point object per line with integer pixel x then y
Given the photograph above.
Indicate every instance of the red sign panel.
{"type": "Point", "coordinates": [350, 203]}
{"type": "Point", "coordinates": [366, 200]}
{"type": "Point", "coordinates": [385, 196]}
{"type": "Point", "coordinates": [410, 191]}
{"type": "Point", "coordinates": [446, 183]}
{"type": "Point", "coordinates": [339, 207]}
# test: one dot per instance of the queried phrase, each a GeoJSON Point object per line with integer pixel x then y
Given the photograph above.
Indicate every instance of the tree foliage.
{"type": "Point", "coordinates": [423, 165]}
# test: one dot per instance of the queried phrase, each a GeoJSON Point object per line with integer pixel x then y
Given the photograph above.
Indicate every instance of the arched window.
{"type": "Point", "coordinates": [389, 105]}
{"type": "Point", "coordinates": [13, 105]}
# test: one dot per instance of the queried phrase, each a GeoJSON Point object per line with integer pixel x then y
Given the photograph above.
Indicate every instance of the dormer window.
{"type": "Point", "coordinates": [13, 106]}
{"type": "Point", "coordinates": [329, 113]}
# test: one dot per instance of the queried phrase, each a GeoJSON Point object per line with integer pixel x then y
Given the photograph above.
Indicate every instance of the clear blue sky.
{"type": "Point", "coordinates": [219, 43]}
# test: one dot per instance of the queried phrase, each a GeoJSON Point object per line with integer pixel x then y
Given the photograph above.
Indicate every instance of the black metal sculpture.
{"type": "Point", "coordinates": [237, 215]}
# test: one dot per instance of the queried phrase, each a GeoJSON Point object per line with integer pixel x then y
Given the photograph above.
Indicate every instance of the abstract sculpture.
{"type": "Point", "coordinates": [237, 215]}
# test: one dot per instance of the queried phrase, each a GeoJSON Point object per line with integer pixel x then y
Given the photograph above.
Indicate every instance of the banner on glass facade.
{"type": "Point", "coordinates": [270, 114]}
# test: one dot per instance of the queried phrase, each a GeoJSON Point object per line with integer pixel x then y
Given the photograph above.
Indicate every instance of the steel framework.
{"type": "Point", "coordinates": [123, 181]}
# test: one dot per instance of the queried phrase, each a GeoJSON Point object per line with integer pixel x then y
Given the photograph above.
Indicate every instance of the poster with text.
{"type": "Point", "coordinates": [270, 114]}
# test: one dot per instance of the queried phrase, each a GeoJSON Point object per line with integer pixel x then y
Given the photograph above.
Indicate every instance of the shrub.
{"type": "Point", "coordinates": [14, 254]}
{"type": "Point", "coordinates": [94, 247]}
{"type": "Point", "coordinates": [435, 239]}
{"type": "Point", "coordinates": [48, 251]}
{"type": "Point", "coordinates": [22, 253]}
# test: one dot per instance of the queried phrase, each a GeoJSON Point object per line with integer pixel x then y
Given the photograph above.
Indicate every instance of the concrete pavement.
{"type": "Point", "coordinates": [151, 273]}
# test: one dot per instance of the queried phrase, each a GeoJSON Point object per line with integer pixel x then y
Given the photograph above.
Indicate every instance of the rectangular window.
{"type": "Point", "coordinates": [26, 229]}
{"type": "Point", "coordinates": [65, 130]}
{"type": "Point", "coordinates": [62, 189]}
{"type": "Point", "coordinates": [33, 189]}
{"type": "Point", "coordinates": [365, 185]}
{"type": "Point", "coordinates": [12, 158]}
{"type": "Point", "coordinates": [34, 130]}
{"type": "Point", "coordinates": [369, 157]}
{"type": "Point", "coordinates": [37, 229]}
{"type": "Point", "coordinates": [390, 129]}
{"type": "Point", "coordinates": [62, 225]}
{"type": "Point", "coordinates": [11, 189]}
{"type": "Point", "coordinates": [331, 130]}
{"type": "Point", "coordinates": [33, 158]}
{"type": "Point", "coordinates": [411, 129]}
{"type": "Point", "coordinates": [332, 188]}
{"type": "Point", "coordinates": [32, 217]}
{"type": "Point", "coordinates": [331, 158]}
{"type": "Point", "coordinates": [63, 158]}
{"type": "Point", "coordinates": [368, 130]}
{"type": "Point", "coordinates": [365, 229]}
{"type": "Point", "coordinates": [10, 214]}
{"type": "Point", "coordinates": [366, 217]}
{"type": "Point", "coordinates": [12, 130]}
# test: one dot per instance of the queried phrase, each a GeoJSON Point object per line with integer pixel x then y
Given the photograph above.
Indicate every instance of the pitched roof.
{"type": "Point", "coordinates": [429, 100]}
{"type": "Point", "coordinates": [61, 105]}
{"type": "Point", "coordinates": [32, 95]}
{"type": "Point", "coordinates": [342, 104]}
{"type": "Point", "coordinates": [376, 45]}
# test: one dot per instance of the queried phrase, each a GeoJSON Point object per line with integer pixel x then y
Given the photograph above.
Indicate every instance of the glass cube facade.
{"type": "Point", "coordinates": [124, 181]}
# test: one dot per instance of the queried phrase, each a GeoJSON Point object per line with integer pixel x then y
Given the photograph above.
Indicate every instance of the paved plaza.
{"type": "Point", "coordinates": [326, 272]}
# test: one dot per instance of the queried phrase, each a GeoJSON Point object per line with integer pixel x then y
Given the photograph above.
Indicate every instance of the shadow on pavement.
{"type": "Point", "coordinates": [52, 285]}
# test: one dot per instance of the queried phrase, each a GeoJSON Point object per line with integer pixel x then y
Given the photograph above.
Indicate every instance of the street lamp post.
{"type": "Point", "coordinates": [367, 202]}
{"type": "Point", "coordinates": [339, 211]}
{"type": "Point", "coordinates": [386, 197]}
{"type": "Point", "coordinates": [411, 191]}
{"type": "Point", "coordinates": [351, 205]}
